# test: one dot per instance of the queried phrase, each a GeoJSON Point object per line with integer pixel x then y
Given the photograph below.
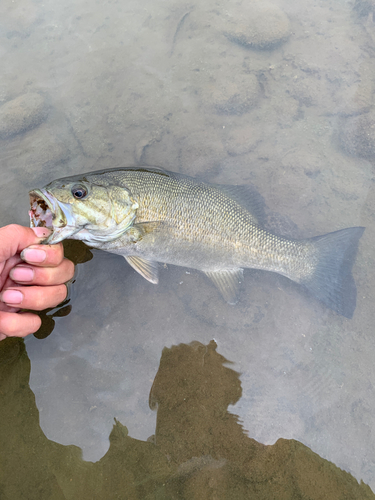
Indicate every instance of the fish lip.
{"type": "Point", "coordinates": [61, 215]}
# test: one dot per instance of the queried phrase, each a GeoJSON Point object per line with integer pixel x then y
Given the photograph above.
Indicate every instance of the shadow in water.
{"type": "Point", "coordinates": [199, 449]}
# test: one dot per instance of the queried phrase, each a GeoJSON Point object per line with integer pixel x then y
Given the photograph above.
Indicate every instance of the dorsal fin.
{"type": "Point", "coordinates": [141, 168]}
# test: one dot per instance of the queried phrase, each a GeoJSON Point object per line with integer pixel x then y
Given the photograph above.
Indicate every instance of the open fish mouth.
{"type": "Point", "coordinates": [40, 212]}
{"type": "Point", "coordinates": [46, 211]}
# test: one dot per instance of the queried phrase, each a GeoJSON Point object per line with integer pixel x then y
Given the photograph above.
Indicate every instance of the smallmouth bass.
{"type": "Point", "coordinates": [151, 215]}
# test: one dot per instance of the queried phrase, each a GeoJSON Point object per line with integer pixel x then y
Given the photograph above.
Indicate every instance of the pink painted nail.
{"type": "Point", "coordinates": [33, 255]}
{"type": "Point", "coordinates": [41, 232]}
{"type": "Point", "coordinates": [22, 273]}
{"type": "Point", "coordinates": [12, 297]}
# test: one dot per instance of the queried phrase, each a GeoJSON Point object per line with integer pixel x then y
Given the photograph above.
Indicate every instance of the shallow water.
{"type": "Point", "coordinates": [169, 84]}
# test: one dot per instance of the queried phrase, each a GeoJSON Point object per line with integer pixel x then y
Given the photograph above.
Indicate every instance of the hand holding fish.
{"type": "Point", "coordinates": [32, 276]}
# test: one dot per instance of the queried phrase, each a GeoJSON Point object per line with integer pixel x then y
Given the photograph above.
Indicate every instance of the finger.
{"type": "Point", "coordinates": [35, 298]}
{"type": "Point", "coordinates": [43, 255]}
{"type": "Point", "coordinates": [18, 324]}
{"type": "Point", "coordinates": [18, 237]}
{"type": "Point", "coordinates": [31, 275]}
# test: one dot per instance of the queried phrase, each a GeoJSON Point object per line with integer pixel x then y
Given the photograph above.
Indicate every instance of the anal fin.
{"type": "Point", "coordinates": [146, 268]}
{"type": "Point", "coordinates": [228, 282]}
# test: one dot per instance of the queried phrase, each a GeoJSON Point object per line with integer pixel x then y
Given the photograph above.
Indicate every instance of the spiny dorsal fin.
{"type": "Point", "coordinates": [146, 268]}
{"type": "Point", "coordinates": [228, 282]}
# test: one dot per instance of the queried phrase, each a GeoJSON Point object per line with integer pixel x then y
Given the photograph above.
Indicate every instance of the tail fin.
{"type": "Point", "coordinates": [332, 282]}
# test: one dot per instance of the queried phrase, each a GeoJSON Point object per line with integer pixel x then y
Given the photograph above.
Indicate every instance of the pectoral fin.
{"type": "Point", "coordinates": [146, 268]}
{"type": "Point", "coordinates": [148, 227]}
{"type": "Point", "coordinates": [228, 282]}
{"type": "Point", "coordinates": [138, 231]}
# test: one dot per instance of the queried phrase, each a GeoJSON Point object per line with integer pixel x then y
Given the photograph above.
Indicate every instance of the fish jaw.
{"type": "Point", "coordinates": [46, 211]}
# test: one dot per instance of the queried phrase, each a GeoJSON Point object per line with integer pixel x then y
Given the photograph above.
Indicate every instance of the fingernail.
{"type": "Point", "coordinates": [22, 273]}
{"type": "Point", "coordinates": [41, 232]}
{"type": "Point", "coordinates": [33, 255]}
{"type": "Point", "coordinates": [12, 297]}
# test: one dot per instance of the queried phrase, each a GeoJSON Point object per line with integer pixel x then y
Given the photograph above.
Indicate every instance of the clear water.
{"type": "Point", "coordinates": [164, 83]}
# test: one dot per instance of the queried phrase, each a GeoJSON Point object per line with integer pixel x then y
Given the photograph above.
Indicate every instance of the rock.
{"type": "Point", "coordinates": [356, 97]}
{"type": "Point", "coordinates": [21, 114]}
{"type": "Point", "coordinates": [243, 140]}
{"type": "Point", "coordinates": [40, 151]}
{"type": "Point", "coordinates": [259, 26]}
{"type": "Point", "coordinates": [364, 7]}
{"type": "Point", "coordinates": [17, 18]}
{"type": "Point", "coordinates": [44, 148]}
{"type": "Point", "coordinates": [357, 135]}
{"type": "Point", "coordinates": [232, 96]}
{"type": "Point", "coordinates": [202, 150]}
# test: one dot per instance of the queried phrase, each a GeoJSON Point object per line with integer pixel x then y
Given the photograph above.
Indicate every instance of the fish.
{"type": "Point", "coordinates": [150, 215]}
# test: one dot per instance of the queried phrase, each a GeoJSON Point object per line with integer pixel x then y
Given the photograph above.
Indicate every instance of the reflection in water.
{"type": "Point", "coordinates": [199, 449]}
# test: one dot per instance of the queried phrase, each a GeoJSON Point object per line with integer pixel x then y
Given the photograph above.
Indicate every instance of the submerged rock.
{"type": "Point", "coordinates": [260, 26]}
{"type": "Point", "coordinates": [357, 135]}
{"type": "Point", "coordinates": [364, 7]}
{"type": "Point", "coordinates": [21, 114]}
{"type": "Point", "coordinates": [243, 140]}
{"type": "Point", "coordinates": [232, 97]}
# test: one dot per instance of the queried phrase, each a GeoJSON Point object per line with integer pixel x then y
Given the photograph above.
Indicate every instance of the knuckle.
{"type": "Point", "coordinates": [14, 230]}
{"type": "Point", "coordinates": [57, 296]}
{"type": "Point", "coordinates": [48, 278]}
{"type": "Point", "coordinates": [13, 227]}
{"type": "Point", "coordinates": [55, 253]}
{"type": "Point", "coordinates": [41, 297]}
{"type": "Point", "coordinates": [70, 269]}
{"type": "Point", "coordinates": [39, 300]}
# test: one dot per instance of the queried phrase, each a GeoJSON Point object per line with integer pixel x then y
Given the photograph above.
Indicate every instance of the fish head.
{"type": "Point", "coordinates": [80, 209]}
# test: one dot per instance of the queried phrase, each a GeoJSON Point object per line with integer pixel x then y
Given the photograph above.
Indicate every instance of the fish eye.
{"type": "Point", "coordinates": [79, 192]}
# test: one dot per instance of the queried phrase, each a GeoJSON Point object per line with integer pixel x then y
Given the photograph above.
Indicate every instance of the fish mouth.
{"type": "Point", "coordinates": [46, 211]}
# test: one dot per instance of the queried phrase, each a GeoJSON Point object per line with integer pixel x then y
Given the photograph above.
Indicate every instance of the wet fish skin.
{"type": "Point", "coordinates": [175, 219]}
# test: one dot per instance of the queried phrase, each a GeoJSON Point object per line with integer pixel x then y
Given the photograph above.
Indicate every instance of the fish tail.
{"type": "Point", "coordinates": [332, 281]}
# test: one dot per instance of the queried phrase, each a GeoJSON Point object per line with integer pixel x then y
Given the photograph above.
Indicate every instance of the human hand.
{"type": "Point", "coordinates": [34, 281]}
